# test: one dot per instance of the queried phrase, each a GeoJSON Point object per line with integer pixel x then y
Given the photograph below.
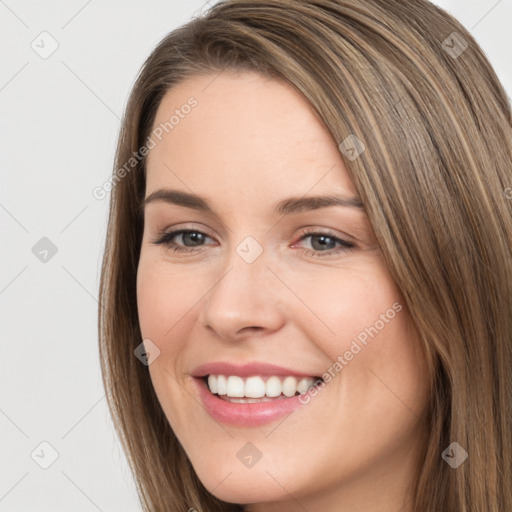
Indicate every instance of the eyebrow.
{"type": "Point", "coordinates": [284, 207]}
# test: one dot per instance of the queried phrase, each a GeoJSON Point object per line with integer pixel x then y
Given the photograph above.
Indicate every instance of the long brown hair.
{"type": "Point", "coordinates": [414, 86]}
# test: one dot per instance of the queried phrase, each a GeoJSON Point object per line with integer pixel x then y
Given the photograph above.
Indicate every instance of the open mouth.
{"type": "Point", "coordinates": [258, 389]}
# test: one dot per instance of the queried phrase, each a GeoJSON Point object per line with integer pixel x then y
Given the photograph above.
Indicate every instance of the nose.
{"type": "Point", "coordinates": [245, 300]}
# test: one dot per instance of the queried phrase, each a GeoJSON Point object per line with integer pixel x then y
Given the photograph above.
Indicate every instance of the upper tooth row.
{"type": "Point", "coordinates": [255, 387]}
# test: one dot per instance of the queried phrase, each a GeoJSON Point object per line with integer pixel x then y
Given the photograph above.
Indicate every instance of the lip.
{"type": "Point", "coordinates": [244, 415]}
{"type": "Point", "coordinates": [248, 414]}
{"type": "Point", "coordinates": [246, 370]}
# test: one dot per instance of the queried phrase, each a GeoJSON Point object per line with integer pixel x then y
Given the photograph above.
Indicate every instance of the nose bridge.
{"type": "Point", "coordinates": [245, 266]}
{"type": "Point", "coordinates": [245, 294]}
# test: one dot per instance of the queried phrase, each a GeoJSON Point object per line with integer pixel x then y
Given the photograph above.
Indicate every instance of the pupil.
{"type": "Point", "coordinates": [197, 237]}
{"type": "Point", "coordinates": [322, 240]}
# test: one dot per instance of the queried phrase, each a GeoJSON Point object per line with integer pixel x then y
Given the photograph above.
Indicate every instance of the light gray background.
{"type": "Point", "coordinates": [59, 122]}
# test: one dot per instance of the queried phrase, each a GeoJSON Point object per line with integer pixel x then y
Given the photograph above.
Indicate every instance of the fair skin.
{"type": "Point", "coordinates": [250, 143]}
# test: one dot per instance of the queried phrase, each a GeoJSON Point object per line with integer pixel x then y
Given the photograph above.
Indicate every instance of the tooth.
{"type": "Point", "coordinates": [250, 400]}
{"type": "Point", "coordinates": [254, 387]}
{"type": "Point", "coordinates": [304, 384]}
{"type": "Point", "coordinates": [235, 386]}
{"type": "Point", "coordinates": [273, 386]}
{"type": "Point", "coordinates": [221, 385]}
{"type": "Point", "coordinates": [289, 386]}
{"type": "Point", "coordinates": [212, 383]}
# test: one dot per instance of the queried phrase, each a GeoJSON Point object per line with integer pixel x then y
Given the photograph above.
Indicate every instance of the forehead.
{"type": "Point", "coordinates": [246, 133]}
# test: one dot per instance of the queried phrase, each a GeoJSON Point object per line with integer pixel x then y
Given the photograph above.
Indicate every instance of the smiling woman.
{"type": "Point", "coordinates": [305, 270]}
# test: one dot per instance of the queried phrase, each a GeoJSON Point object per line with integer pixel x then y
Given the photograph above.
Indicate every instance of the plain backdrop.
{"type": "Point", "coordinates": [59, 121]}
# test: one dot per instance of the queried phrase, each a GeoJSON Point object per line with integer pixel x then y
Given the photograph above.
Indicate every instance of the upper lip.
{"type": "Point", "coordinates": [245, 370]}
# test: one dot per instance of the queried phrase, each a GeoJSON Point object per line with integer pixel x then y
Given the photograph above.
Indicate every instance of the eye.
{"type": "Point", "coordinates": [324, 243]}
{"type": "Point", "coordinates": [188, 236]}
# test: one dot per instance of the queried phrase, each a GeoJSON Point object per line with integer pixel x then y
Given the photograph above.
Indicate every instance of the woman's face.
{"type": "Point", "coordinates": [267, 290]}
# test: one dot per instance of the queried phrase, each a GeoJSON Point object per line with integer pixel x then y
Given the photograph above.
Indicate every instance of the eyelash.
{"type": "Point", "coordinates": [165, 239]}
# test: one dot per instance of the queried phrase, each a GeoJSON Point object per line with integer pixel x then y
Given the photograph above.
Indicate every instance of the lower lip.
{"type": "Point", "coordinates": [248, 414]}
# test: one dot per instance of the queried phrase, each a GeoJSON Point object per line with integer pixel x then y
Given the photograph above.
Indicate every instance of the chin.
{"type": "Point", "coordinates": [244, 486]}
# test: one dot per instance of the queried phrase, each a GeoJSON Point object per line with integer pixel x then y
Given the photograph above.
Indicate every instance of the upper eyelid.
{"type": "Point", "coordinates": [358, 224]}
{"type": "Point", "coordinates": [186, 227]}
{"type": "Point", "coordinates": [305, 230]}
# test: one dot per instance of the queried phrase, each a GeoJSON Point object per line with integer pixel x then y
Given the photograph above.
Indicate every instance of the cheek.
{"type": "Point", "coordinates": [165, 297]}
{"type": "Point", "coordinates": [353, 305]}
{"type": "Point", "coordinates": [367, 334]}
{"type": "Point", "coordinates": [165, 300]}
